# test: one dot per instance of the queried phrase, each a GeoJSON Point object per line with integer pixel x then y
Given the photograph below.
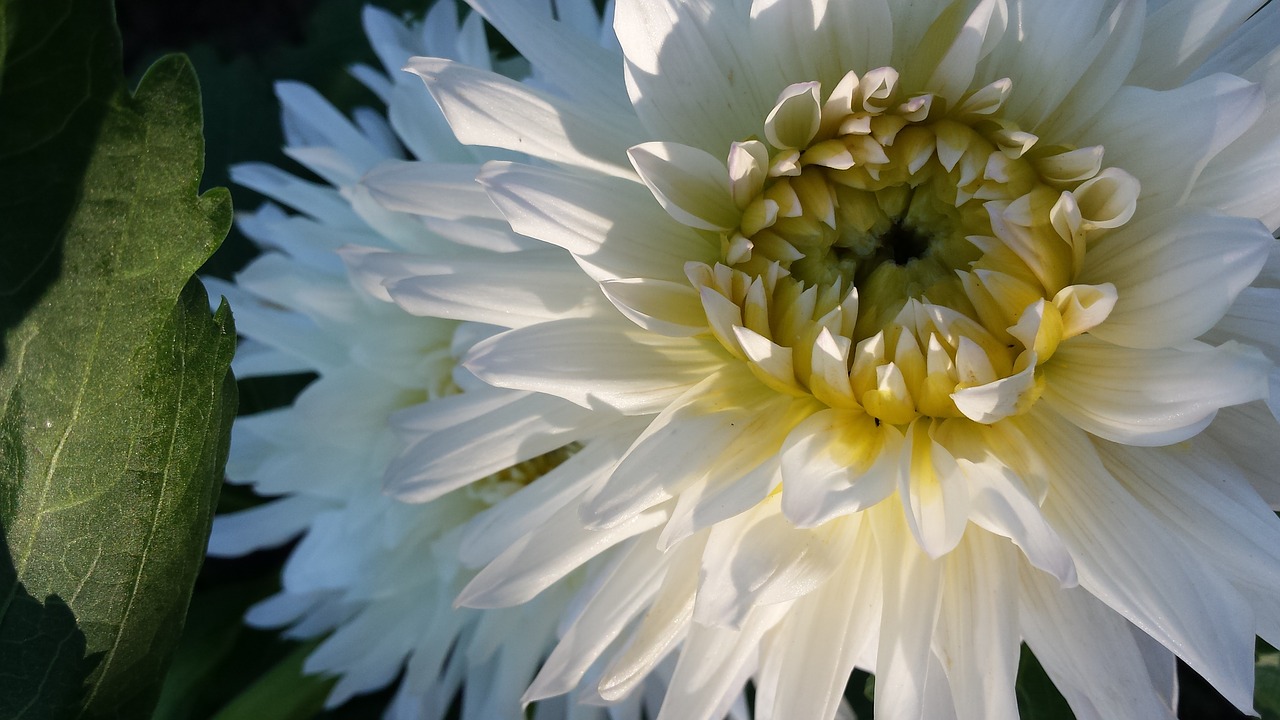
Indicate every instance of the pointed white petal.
{"type": "Point", "coordinates": [835, 463]}
{"type": "Point", "coordinates": [1248, 434]}
{"type": "Point", "coordinates": [760, 558]}
{"type": "Point", "coordinates": [912, 596]}
{"type": "Point", "coordinates": [933, 490]}
{"type": "Point", "coordinates": [1088, 652]}
{"type": "Point", "coordinates": [516, 290]}
{"type": "Point", "coordinates": [598, 362]}
{"type": "Point", "coordinates": [690, 184]}
{"type": "Point", "coordinates": [1175, 274]}
{"type": "Point", "coordinates": [1204, 498]}
{"type": "Point", "coordinates": [517, 426]}
{"type": "Point", "coordinates": [613, 227]}
{"type": "Point", "coordinates": [571, 60]}
{"type": "Point", "coordinates": [441, 190]}
{"type": "Point", "coordinates": [542, 557]}
{"type": "Point", "coordinates": [1150, 397]}
{"type": "Point", "coordinates": [623, 596]}
{"type": "Point", "coordinates": [1131, 562]}
{"type": "Point", "coordinates": [1181, 34]}
{"type": "Point", "coordinates": [687, 76]}
{"type": "Point", "coordinates": [487, 109]}
{"type": "Point", "coordinates": [979, 619]}
{"type": "Point", "coordinates": [661, 306]}
{"type": "Point", "coordinates": [1210, 114]}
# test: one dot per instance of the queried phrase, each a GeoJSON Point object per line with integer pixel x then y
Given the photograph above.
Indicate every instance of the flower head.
{"type": "Point", "coordinates": [376, 577]}
{"type": "Point", "coordinates": [932, 328]}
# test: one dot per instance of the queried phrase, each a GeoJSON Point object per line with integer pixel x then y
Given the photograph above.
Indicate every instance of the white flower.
{"type": "Point", "coordinates": [934, 327]}
{"type": "Point", "coordinates": [376, 577]}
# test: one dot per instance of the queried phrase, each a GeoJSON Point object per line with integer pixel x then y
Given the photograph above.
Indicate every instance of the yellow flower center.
{"type": "Point", "coordinates": [908, 258]}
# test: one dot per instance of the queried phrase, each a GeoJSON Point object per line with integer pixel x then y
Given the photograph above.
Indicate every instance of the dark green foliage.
{"type": "Point", "coordinates": [115, 394]}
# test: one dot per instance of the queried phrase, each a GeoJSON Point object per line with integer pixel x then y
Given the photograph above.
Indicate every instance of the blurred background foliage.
{"type": "Point", "coordinates": [224, 670]}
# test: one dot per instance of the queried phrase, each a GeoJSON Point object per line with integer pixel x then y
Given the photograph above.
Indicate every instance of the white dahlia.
{"type": "Point", "coordinates": [932, 328]}
{"type": "Point", "coordinates": [376, 577]}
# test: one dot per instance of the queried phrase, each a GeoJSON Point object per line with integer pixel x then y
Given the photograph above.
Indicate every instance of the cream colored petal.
{"type": "Point", "coordinates": [1175, 275]}
{"type": "Point", "coordinates": [597, 363]}
{"type": "Point", "coordinates": [1199, 120]}
{"type": "Point", "coordinates": [660, 306]}
{"type": "Point", "coordinates": [612, 227]}
{"type": "Point", "coordinates": [544, 556]}
{"type": "Point", "coordinates": [1084, 646]}
{"type": "Point", "coordinates": [570, 60]}
{"type": "Point", "coordinates": [690, 184]}
{"type": "Point", "coordinates": [807, 659]}
{"type": "Point", "coordinates": [1127, 559]}
{"type": "Point", "coordinates": [1150, 397]}
{"type": "Point", "coordinates": [624, 594]}
{"type": "Point", "coordinates": [687, 76]}
{"type": "Point", "coordinates": [836, 463]}
{"type": "Point", "coordinates": [759, 558]}
{"type": "Point", "coordinates": [491, 430]}
{"type": "Point", "coordinates": [1181, 34]}
{"type": "Point", "coordinates": [979, 619]}
{"type": "Point", "coordinates": [487, 109]}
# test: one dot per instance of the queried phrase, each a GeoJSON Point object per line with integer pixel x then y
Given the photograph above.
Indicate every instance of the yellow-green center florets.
{"type": "Point", "coordinates": [906, 258]}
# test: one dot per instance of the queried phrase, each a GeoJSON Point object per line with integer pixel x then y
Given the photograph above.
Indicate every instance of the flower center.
{"type": "Point", "coordinates": [907, 258]}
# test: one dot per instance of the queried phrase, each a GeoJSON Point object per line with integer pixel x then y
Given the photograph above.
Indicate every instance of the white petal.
{"type": "Point", "coordinates": [1175, 274]}
{"type": "Point", "coordinates": [599, 362]}
{"type": "Point", "coordinates": [1150, 397]}
{"type": "Point", "coordinates": [1000, 399]}
{"type": "Point", "coordinates": [824, 40]}
{"type": "Point", "coordinates": [728, 424]}
{"type": "Point", "coordinates": [487, 109]}
{"type": "Point", "coordinates": [664, 625]}
{"type": "Point", "coordinates": [1131, 562]}
{"type": "Point", "coordinates": [1181, 34]}
{"type": "Point", "coordinates": [544, 556]}
{"type": "Point", "coordinates": [980, 33]}
{"type": "Point", "coordinates": [1088, 652]}
{"type": "Point", "coordinates": [442, 190]}
{"type": "Point", "coordinates": [613, 227]}
{"type": "Point", "coordinates": [623, 596]}
{"type": "Point", "coordinates": [714, 664]}
{"type": "Point", "coordinates": [514, 427]}
{"type": "Point", "coordinates": [489, 533]}
{"type": "Point", "coordinates": [686, 75]}
{"type": "Point", "coordinates": [517, 290]}
{"type": "Point", "coordinates": [311, 121]}
{"type": "Point", "coordinates": [808, 659]}
{"type": "Point", "coordinates": [570, 60]}
{"type": "Point", "coordinates": [266, 526]}
{"type": "Point", "coordinates": [690, 184]}
{"type": "Point", "coordinates": [935, 493]}
{"type": "Point", "coordinates": [660, 306]}
{"type": "Point", "coordinates": [912, 597]}
{"type": "Point", "coordinates": [1203, 497]}
{"type": "Point", "coordinates": [1200, 119]}
{"type": "Point", "coordinates": [1054, 47]}
{"type": "Point", "coordinates": [835, 463]}
{"type": "Point", "coordinates": [1002, 503]}
{"type": "Point", "coordinates": [319, 201]}
{"type": "Point", "coordinates": [760, 558]}
{"type": "Point", "coordinates": [794, 120]}
{"type": "Point", "coordinates": [1112, 50]}
{"type": "Point", "coordinates": [979, 619]}
{"type": "Point", "coordinates": [1248, 434]}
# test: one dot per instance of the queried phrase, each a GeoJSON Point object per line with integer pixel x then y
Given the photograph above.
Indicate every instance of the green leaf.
{"type": "Point", "coordinates": [1038, 698]}
{"type": "Point", "coordinates": [115, 392]}
{"type": "Point", "coordinates": [1266, 692]}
